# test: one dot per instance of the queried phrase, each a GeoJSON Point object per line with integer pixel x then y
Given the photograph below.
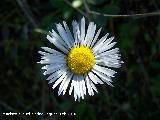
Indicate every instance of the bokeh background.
{"type": "Point", "coordinates": [23, 28]}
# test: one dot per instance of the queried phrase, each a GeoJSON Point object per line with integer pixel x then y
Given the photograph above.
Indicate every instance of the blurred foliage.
{"type": "Point", "coordinates": [23, 29]}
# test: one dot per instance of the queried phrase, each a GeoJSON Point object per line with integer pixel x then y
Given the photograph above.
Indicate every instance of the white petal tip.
{"type": "Point", "coordinates": [52, 87]}
{"type": "Point", "coordinates": [64, 93]}
{"type": "Point", "coordinates": [83, 19]}
{"type": "Point", "coordinates": [122, 62]}
{"type": "Point", "coordinates": [59, 94]}
{"type": "Point", "coordinates": [44, 73]}
{"type": "Point", "coordinates": [112, 85]}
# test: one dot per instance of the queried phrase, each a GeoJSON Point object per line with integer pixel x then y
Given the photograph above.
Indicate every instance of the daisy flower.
{"type": "Point", "coordinates": [80, 60]}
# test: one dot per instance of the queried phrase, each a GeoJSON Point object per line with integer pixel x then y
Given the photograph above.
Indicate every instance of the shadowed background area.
{"type": "Point", "coordinates": [23, 88]}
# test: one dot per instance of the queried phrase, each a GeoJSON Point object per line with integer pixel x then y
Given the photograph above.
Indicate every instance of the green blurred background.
{"type": "Point", "coordinates": [23, 28]}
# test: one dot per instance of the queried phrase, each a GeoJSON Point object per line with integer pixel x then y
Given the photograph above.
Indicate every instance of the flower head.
{"type": "Point", "coordinates": [81, 61]}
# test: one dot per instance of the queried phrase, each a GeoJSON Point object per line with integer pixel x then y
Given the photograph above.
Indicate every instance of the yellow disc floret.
{"type": "Point", "coordinates": [80, 60]}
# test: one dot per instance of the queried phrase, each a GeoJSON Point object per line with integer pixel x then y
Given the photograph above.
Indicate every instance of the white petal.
{"type": "Point", "coordinates": [104, 70]}
{"type": "Point", "coordinates": [99, 43]}
{"type": "Point", "coordinates": [93, 86]}
{"type": "Point", "coordinates": [64, 35]}
{"type": "Point", "coordinates": [90, 91]}
{"type": "Point", "coordinates": [44, 67]}
{"type": "Point", "coordinates": [66, 83]}
{"type": "Point", "coordinates": [103, 77]}
{"type": "Point", "coordinates": [84, 87]}
{"type": "Point", "coordinates": [90, 38]}
{"type": "Point", "coordinates": [109, 64]}
{"type": "Point", "coordinates": [59, 79]}
{"type": "Point", "coordinates": [53, 60]}
{"type": "Point", "coordinates": [61, 86]}
{"type": "Point", "coordinates": [68, 33]}
{"type": "Point", "coordinates": [109, 52]}
{"type": "Point", "coordinates": [51, 66]}
{"type": "Point", "coordinates": [96, 37]}
{"type": "Point", "coordinates": [42, 53]}
{"type": "Point", "coordinates": [58, 45]}
{"type": "Point", "coordinates": [75, 90]}
{"type": "Point", "coordinates": [105, 47]}
{"type": "Point", "coordinates": [105, 59]}
{"type": "Point", "coordinates": [115, 56]}
{"type": "Point", "coordinates": [81, 87]}
{"type": "Point", "coordinates": [102, 40]}
{"type": "Point", "coordinates": [76, 32]}
{"type": "Point", "coordinates": [108, 41]}
{"type": "Point", "coordinates": [52, 57]}
{"type": "Point", "coordinates": [78, 84]}
{"type": "Point", "coordinates": [71, 88]}
{"type": "Point", "coordinates": [88, 35]}
{"type": "Point", "coordinates": [51, 50]}
{"type": "Point", "coordinates": [81, 90]}
{"type": "Point", "coordinates": [58, 38]}
{"type": "Point", "coordinates": [45, 54]}
{"type": "Point", "coordinates": [111, 57]}
{"type": "Point", "coordinates": [77, 87]}
{"type": "Point", "coordinates": [89, 30]}
{"type": "Point", "coordinates": [82, 28]}
{"type": "Point", "coordinates": [53, 69]}
{"type": "Point", "coordinates": [94, 78]}
{"type": "Point", "coordinates": [55, 75]}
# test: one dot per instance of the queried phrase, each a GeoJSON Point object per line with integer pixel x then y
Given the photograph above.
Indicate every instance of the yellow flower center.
{"type": "Point", "coordinates": [80, 60]}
